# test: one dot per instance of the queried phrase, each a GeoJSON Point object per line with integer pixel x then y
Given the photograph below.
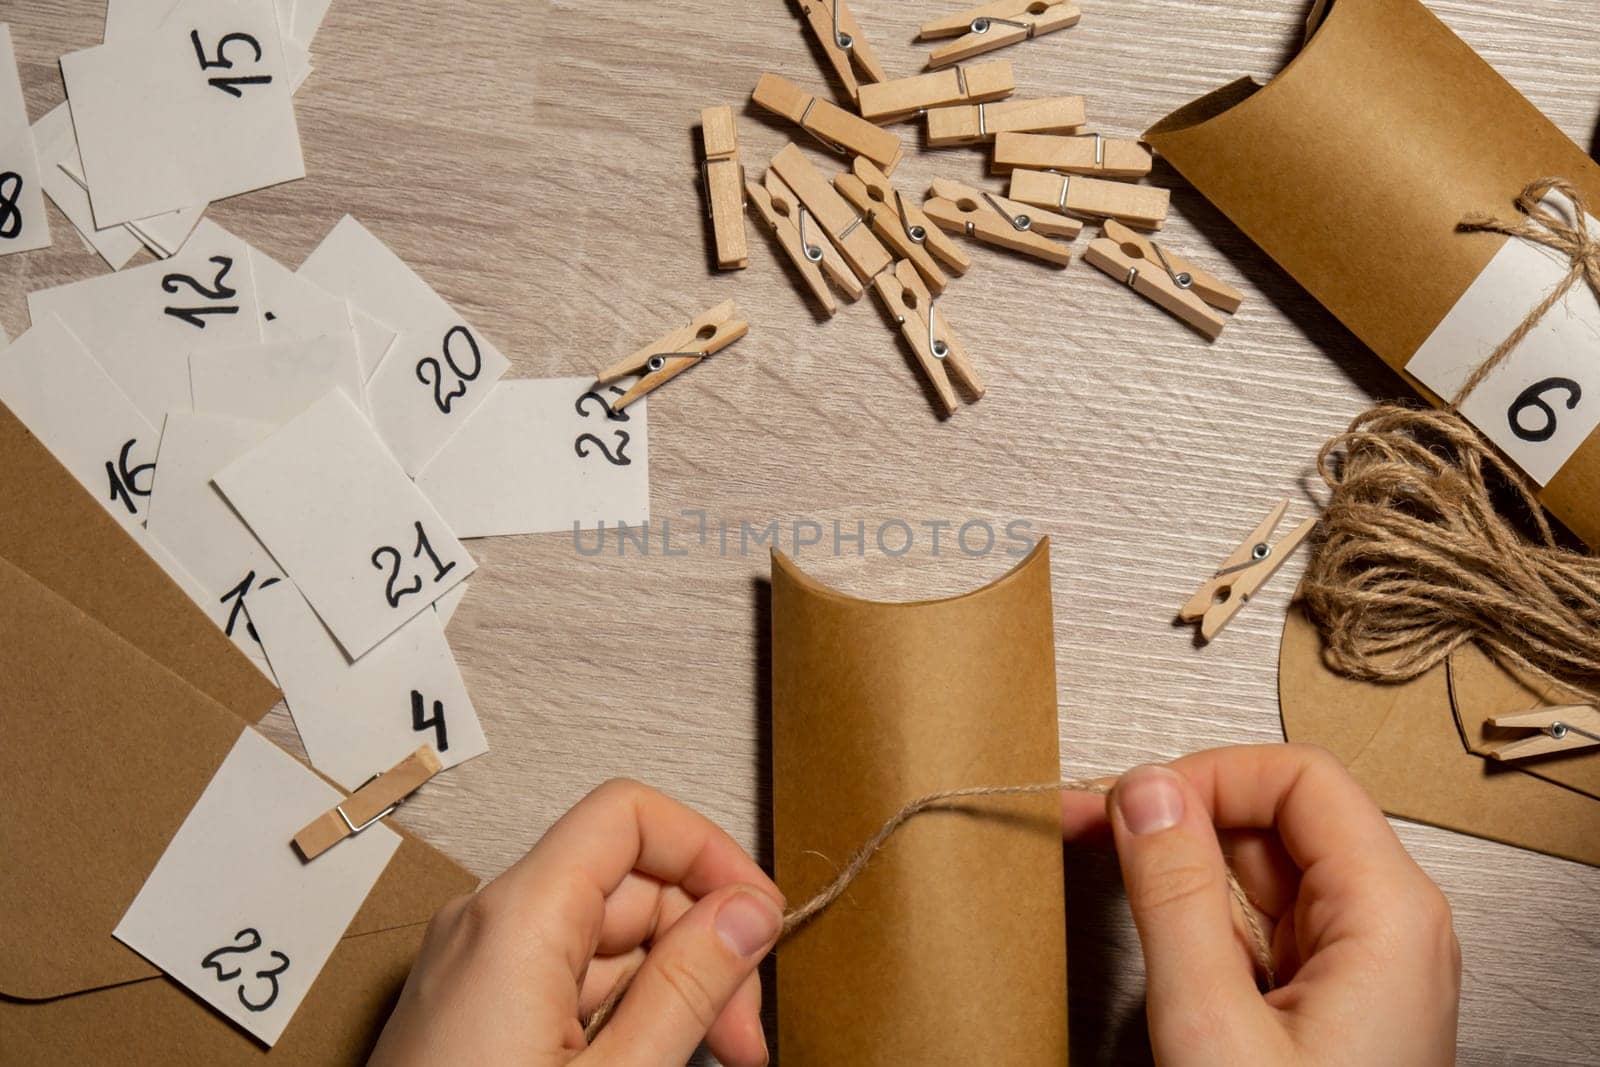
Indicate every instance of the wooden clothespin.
{"type": "Point", "coordinates": [723, 176]}
{"type": "Point", "coordinates": [660, 362]}
{"type": "Point", "coordinates": [977, 123]}
{"type": "Point", "coordinates": [381, 794]}
{"type": "Point", "coordinates": [971, 84]}
{"type": "Point", "coordinates": [1164, 278]}
{"type": "Point", "coordinates": [901, 224]}
{"type": "Point", "coordinates": [1144, 206]}
{"type": "Point", "coordinates": [837, 129]}
{"type": "Point", "coordinates": [990, 26]}
{"type": "Point", "coordinates": [802, 237]}
{"type": "Point", "coordinates": [1561, 729]}
{"type": "Point", "coordinates": [839, 220]}
{"type": "Point", "coordinates": [995, 220]}
{"type": "Point", "coordinates": [843, 43]}
{"type": "Point", "coordinates": [1216, 602]}
{"type": "Point", "coordinates": [924, 328]}
{"type": "Point", "coordinates": [1084, 153]}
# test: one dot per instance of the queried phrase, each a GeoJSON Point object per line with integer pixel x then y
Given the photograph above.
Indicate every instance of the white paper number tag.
{"type": "Point", "coordinates": [439, 369]}
{"type": "Point", "coordinates": [273, 382]}
{"type": "Point", "coordinates": [197, 110]}
{"type": "Point", "coordinates": [1543, 401]}
{"type": "Point", "coordinates": [141, 324]}
{"type": "Point", "coordinates": [359, 719]}
{"type": "Point", "coordinates": [57, 147]}
{"type": "Point", "coordinates": [541, 456]}
{"type": "Point", "coordinates": [23, 226]}
{"type": "Point", "coordinates": [232, 912]}
{"type": "Point", "coordinates": [345, 523]}
{"type": "Point", "coordinates": [60, 393]}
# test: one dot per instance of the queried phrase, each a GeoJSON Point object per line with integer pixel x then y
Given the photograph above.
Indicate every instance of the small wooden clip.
{"type": "Point", "coordinates": [665, 359]}
{"type": "Point", "coordinates": [977, 123]}
{"type": "Point", "coordinates": [837, 129]}
{"type": "Point", "coordinates": [991, 26]}
{"type": "Point", "coordinates": [994, 220]}
{"type": "Point", "coordinates": [904, 97]}
{"type": "Point", "coordinates": [840, 221]}
{"type": "Point", "coordinates": [1216, 602]}
{"type": "Point", "coordinates": [809, 248]}
{"type": "Point", "coordinates": [908, 232]}
{"type": "Point", "coordinates": [1561, 729]}
{"type": "Point", "coordinates": [1084, 153]}
{"type": "Point", "coordinates": [924, 328]}
{"type": "Point", "coordinates": [723, 176]}
{"type": "Point", "coordinates": [843, 43]}
{"type": "Point", "coordinates": [1144, 206]}
{"type": "Point", "coordinates": [1163, 277]}
{"type": "Point", "coordinates": [380, 795]}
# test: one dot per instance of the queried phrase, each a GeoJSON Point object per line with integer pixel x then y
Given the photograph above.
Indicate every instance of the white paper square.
{"type": "Point", "coordinates": [166, 120]}
{"type": "Point", "coordinates": [439, 369]}
{"type": "Point", "coordinates": [142, 324]}
{"type": "Point", "coordinates": [232, 912]}
{"type": "Point", "coordinates": [359, 719]}
{"type": "Point", "coordinates": [55, 144]}
{"type": "Point", "coordinates": [190, 519]}
{"type": "Point", "coordinates": [52, 383]}
{"type": "Point", "coordinates": [274, 381]}
{"type": "Point", "coordinates": [1550, 383]}
{"type": "Point", "coordinates": [162, 234]}
{"type": "Point", "coordinates": [128, 18]}
{"type": "Point", "coordinates": [540, 456]}
{"type": "Point", "coordinates": [345, 523]}
{"type": "Point", "coordinates": [23, 224]}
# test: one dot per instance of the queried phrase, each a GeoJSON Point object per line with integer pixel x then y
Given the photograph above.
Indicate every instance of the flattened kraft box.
{"type": "Point", "coordinates": [1352, 169]}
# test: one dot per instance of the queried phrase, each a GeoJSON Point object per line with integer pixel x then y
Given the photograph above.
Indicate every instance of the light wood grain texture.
{"type": "Point", "coordinates": [488, 141]}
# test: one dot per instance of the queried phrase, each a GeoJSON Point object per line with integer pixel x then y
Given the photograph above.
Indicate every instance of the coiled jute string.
{"type": "Point", "coordinates": [1422, 547]}
{"type": "Point", "coordinates": [798, 916]}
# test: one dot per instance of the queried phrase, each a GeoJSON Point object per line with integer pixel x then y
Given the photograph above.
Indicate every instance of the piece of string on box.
{"type": "Point", "coordinates": [1432, 538]}
{"type": "Point", "coordinates": [800, 915]}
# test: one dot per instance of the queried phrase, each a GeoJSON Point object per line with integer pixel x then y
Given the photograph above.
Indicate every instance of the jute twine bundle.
{"type": "Point", "coordinates": [1415, 559]}
{"type": "Point", "coordinates": [803, 913]}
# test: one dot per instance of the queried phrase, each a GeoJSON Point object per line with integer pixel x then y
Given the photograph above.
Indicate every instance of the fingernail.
{"type": "Point", "coordinates": [747, 923]}
{"type": "Point", "coordinates": [1150, 799]}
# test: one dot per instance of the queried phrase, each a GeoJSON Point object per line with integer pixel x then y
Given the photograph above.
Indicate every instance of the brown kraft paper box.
{"type": "Point", "coordinates": [951, 947]}
{"type": "Point", "coordinates": [1353, 166]}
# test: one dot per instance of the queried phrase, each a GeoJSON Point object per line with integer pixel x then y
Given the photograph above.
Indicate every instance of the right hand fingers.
{"type": "Point", "coordinates": [690, 975]}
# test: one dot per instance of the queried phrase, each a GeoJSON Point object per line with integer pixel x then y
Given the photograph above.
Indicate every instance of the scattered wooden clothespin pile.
{"type": "Point", "coordinates": [844, 231]}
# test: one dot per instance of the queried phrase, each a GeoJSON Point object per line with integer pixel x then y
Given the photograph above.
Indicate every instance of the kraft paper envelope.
{"type": "Point", "coordinates": [951, 947]}
{"type": "Point", "coordinates": [52, 529]}
{"type": "Point", "coordinates": [1403, 744]}
{"type": "Point", "coordinates": [106, 751]}
{"type": "Point", "coordinates": [1353, 166]}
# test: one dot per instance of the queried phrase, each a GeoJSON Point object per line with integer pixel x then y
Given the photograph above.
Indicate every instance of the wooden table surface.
{"type": "Point", "coordinates": [537, 164]}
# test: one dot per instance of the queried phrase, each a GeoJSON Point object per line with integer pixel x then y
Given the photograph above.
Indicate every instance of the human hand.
{"type": "Point", "coordinates": [627, 880]}
{"type": "Point", "coordinates": [1367, 964]}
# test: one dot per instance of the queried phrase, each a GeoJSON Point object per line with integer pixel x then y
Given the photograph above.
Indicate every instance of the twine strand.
{"type": "Point", "coordinates": [797, 917]}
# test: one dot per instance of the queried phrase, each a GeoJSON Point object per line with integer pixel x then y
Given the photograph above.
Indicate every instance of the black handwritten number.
{"type": "Point", "coordinates": [247, 941]}
{"type": "Point", "coordinates": [464, 374]}
{"type": "Point", "coordinates": [611, 413]}
{"type": "Point", "coordinates": [125, 480]}
{"type": "Point", "coordinates": [10, 213]}
{"type": "Point", "coordinates": [1533, 397]}
{"type": "Point", "coordinates": [391, 593]}
{"type": "Point", "coordinates": [219, 291]}
{"type": "Point", "coordinates": [250, 935]}
{"type": "Point", "coordinates": [441, 740]}
{"type": "Point", "coordinates": [230, 85]}
{"type": "Point", "coordinates": [237, 595]}
{"type": "Point", "coordinates": [620, 458]}
{"type": "Point", "coordinates": [440, 568]}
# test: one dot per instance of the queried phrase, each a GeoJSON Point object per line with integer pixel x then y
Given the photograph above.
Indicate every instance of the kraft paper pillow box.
{"type": "Point", "coordinates": [1352, 168]}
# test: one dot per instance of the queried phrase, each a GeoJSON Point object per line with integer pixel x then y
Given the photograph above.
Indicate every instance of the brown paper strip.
{"type": "Point", "coordinates": [1352, 168]}
{"type": "Point", "coordinates": [951, 946]}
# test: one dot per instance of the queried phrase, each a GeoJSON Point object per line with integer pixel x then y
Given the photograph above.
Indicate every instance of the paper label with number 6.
{"type": "Point", "coordinates": [1543, 401]}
